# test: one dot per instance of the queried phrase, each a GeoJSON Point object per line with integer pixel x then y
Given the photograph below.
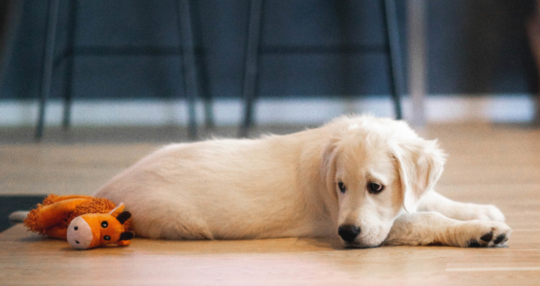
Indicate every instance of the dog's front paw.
{"type": "Point", "coordinates": [479, 233]}
{"type": "Point", "coordinates": [475, 211]}
{"type": "Point", "coordinates": [488, 212]}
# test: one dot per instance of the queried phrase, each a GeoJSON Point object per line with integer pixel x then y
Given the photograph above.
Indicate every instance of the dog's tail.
{"type": "Point", "coordinates": [18, 216]}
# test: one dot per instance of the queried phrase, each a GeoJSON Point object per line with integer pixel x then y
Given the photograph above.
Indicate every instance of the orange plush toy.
{"type": "Point", "coordinates": [85, 221]}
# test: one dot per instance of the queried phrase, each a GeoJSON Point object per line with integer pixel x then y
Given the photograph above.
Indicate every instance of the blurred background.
{"type": "Point", "coordinates": [89, 87]}
{"type": "Point", "coordinates": [317, 59]}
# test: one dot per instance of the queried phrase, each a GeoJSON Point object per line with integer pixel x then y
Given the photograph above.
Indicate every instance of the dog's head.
{"type": "Point", "coordinates": [376, 168]}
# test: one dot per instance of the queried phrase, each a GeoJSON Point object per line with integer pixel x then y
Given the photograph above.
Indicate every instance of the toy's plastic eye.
{"type": "Point", "coordinates": [76, 228]}
{"type": "Point", "coordinates": [104, 224]}
{"type": "Point", "coordinates": [107, 237]}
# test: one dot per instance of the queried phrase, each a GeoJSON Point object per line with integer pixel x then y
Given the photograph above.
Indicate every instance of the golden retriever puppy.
{"type": "Point", "coordinates": [367, 181]}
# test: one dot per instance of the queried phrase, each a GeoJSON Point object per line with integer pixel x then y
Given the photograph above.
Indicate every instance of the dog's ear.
{"type": "Point", "coordinates": [328, 165]}
{"type": "Point", "coordinates": [420, 164]}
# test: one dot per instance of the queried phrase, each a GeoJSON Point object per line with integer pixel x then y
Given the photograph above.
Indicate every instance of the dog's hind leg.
{"type": "Point", "coordinates": [162, 219]}
{"type": "Point", "coordinates": [436, 202]}
{"type": "Point", "coordinates": [431, 228]}
{"type": "Point", "coordinates": [157, 212]}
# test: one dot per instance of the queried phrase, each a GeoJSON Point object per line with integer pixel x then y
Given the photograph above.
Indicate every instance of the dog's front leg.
{"type": "Point", "coordinates": [435, 202]}
{"type": "Point", "coordinates": [431, 228]}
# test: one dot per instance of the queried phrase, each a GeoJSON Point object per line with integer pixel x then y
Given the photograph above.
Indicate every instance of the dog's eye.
{"type": "Point", "coordinates": [342, 187]}
{"type": "Point", "coordinates": [375, 188]}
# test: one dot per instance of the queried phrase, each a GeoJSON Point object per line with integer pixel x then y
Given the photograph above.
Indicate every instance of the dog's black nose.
{"type": "Point", "coordinates": [348, 232]}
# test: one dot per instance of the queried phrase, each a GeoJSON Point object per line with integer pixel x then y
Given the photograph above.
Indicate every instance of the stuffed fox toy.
{"type": "Point", "coordinates": [84, 221]}
{"type": "Point", "coordinates": [92, 230]}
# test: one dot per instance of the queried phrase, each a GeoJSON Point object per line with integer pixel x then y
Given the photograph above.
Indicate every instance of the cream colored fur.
{"type": "Point", "coordinates": [286, 186]}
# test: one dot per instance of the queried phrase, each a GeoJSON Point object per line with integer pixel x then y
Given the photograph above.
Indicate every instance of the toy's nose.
{"type": "Point", "coordinates": [79, 234]}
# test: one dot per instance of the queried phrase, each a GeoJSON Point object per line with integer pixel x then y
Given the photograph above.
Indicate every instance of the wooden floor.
{"type": "Point", "coordinates": [487, 164]}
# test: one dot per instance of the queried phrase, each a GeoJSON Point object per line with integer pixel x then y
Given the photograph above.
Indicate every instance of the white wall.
{"type": "Point", "coordinates": [439, 109]}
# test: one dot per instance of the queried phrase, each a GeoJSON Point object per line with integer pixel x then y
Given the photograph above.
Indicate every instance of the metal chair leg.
{"type": "Point", "coordinates": [394, 59]}
{"type": "Point", "coordinates": [68, 74]}
{"type": "Point", "coordinates": [202, 67]}
{"type": "Point", "coordinates": [47, 66]}
{"type": "Point", "coordinates": [190, 71]}
{"type": "Point", "coordinates": [251, 64]}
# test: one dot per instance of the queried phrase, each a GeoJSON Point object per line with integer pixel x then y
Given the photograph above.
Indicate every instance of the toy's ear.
{"type": "Point", "coordinates": [126, 236]}
{"type": "Point", "coordinates": [123, 217]}
{"type": "Point", "coordinates": [117, 210]}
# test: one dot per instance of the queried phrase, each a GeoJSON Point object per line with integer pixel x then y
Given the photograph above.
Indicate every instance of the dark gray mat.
{"type": "Point", "coordinates": [9, 204]}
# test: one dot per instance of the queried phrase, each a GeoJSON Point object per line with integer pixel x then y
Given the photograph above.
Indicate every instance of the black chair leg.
{"type": "Point", "coordinates": [47, 66]}
{"type": "Point", "coordinates": [395, 67]}
{"type": "Point", "coordinates": [190, 71]}
{"type": "Point", "coordinates": [68, 74]}
{"type": "Point", "coordinates": [251, 64]}
{"type": "Point", "coordinates": [202, 67]}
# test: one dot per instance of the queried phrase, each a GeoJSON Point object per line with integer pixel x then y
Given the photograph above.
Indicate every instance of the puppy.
{"type": "Point", "coordinates": [367, 181]}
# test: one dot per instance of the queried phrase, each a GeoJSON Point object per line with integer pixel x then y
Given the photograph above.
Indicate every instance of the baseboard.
{"type": "Point", "coordinates": [511, 108]}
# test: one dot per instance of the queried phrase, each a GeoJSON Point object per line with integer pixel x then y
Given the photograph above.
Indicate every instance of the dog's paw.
{"type": "Point", "coordinates": [479, 233]}
{"type": "Point", "coordinates": [488, 212]}
{"type": "Point", "coordinates": [479, 212]}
